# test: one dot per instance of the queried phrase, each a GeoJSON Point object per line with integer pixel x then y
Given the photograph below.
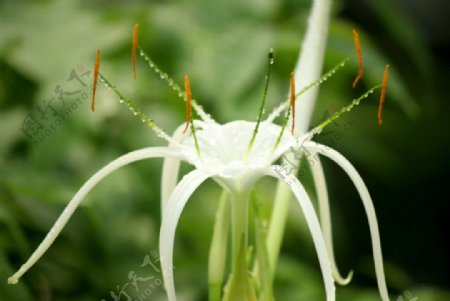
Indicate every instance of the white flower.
{"type": "Point", "coordinates": [223, 158]}
{"type": "Point", "coordinates": [235, 155]}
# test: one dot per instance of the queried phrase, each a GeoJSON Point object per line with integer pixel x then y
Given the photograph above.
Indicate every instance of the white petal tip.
{"type": "Point", "coordinates": [13, 280]}
{"type": "Point", "coordinates": [344, 281]}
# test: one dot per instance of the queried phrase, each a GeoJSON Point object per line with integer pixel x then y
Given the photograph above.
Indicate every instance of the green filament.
{"type": "Point", "coordinates": [283, 127]}
{"type": "Point", "coordinates": [322, 79]}
{"type": "Point", "coordinates": [134, 109]}
{"type": "Point", "coordinates": [173, 85]}
{"type": "Point", "coordinates": [263, 102]}
{"type": "Point", "coordinates": [345, 109]}
{"type": "Point", "coordinates": [197, 147]}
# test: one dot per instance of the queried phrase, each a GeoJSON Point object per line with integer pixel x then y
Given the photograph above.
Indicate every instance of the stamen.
{"type": "Point", "coordinates": [292, 86]}
{"type": "Point", "coordinates": [318, 129]}
{"type": "Point", "coordinates": [138, 112]}
{"type": "Point", "coordinates": [189, 121]}
{"type": "Point", "coordinates": [263, 102]}
{"type": "Point", "coordinates": [175, 87]}
{"type": "Point", "coordinates": [288, 112]}
{"type": "Point", "coordinates": [283, 127]}
{"type": "Point", "coordinates": [94, 84]}
{"type": "Point", "coordinates": [383, 94]}
{"type": "Point", "coordinates": [359, 56]}
{"type": "Point", "coordinates": [277, 111]}
{"type": "Point", "coordinates": [134, 47]}
{"type": "Point", "coordinates": [194, 134]}
{"type": "Point", "coordinates": [187, 88]}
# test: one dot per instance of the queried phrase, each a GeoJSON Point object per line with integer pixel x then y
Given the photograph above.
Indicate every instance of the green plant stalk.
{"type": "Point", "coordinates": [239, 286]}
{"type": "Point", "coordinates": [262, 266]}
{"type": "Point", "coordinates": [239, 224]}
{"type": "Point", "coordinates": [218, 250]}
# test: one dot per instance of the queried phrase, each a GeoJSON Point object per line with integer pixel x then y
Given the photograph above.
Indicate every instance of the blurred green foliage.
{"type": "Point", "coordinates": [222, 45]}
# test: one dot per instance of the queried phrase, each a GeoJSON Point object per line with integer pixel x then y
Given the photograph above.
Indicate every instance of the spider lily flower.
{"type": "Point", "coordinates": [235, 155]}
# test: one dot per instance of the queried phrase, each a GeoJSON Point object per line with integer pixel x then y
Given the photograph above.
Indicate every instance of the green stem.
{"type": "Point", "coordinates": [239, 286]}
{"type": "Point", "coordinates": [262, 268]}
{"type": "Point", "coordinates": [218, 251]}
{"type": "Point", "coordinates": [239, 224]}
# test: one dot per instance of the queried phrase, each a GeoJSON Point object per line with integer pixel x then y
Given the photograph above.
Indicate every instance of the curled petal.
{"type": "Point", "coordinates": [145, 153]}
{"type": "Point", "coordinates": [368, 207]}
{"type": "Point", "coordinates": [172, 213]}
{"type": "Point", "coordinates": [325, 217]}
{"type": "Point", "coordinates": [313, 223]}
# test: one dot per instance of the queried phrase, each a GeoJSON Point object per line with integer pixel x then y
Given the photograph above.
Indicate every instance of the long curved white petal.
{"type": "Point", "coordinates": [172, 214]}
{"type": "Point", "coordinates": [145, 153]}
{"type": "Point", "coordinates": [368, 206]}
{"type": "Point", "coordinates": [313, 224]}
{"type": "Point", "coordinates": [170, 169]}
{"type": "Point", "coordinates": [324, 213]}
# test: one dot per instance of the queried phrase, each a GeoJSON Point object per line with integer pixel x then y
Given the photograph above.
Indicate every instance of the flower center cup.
{"type": "Point", "coordinates": [224, 151]}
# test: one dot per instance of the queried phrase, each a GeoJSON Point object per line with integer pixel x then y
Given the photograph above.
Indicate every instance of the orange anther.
{"type": "Point", "coordinates": [359, 56]}
{"type": "Point", "coordinates": [292, 98]}
{"type": "Point", "coordinates": [94, 85]}
{"type": "Point", "coordinates": [187, 88]}
{"type": "Point", "coordinates": [383, 94]}
{"type": "Point", "coordinates": [134, 47]}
